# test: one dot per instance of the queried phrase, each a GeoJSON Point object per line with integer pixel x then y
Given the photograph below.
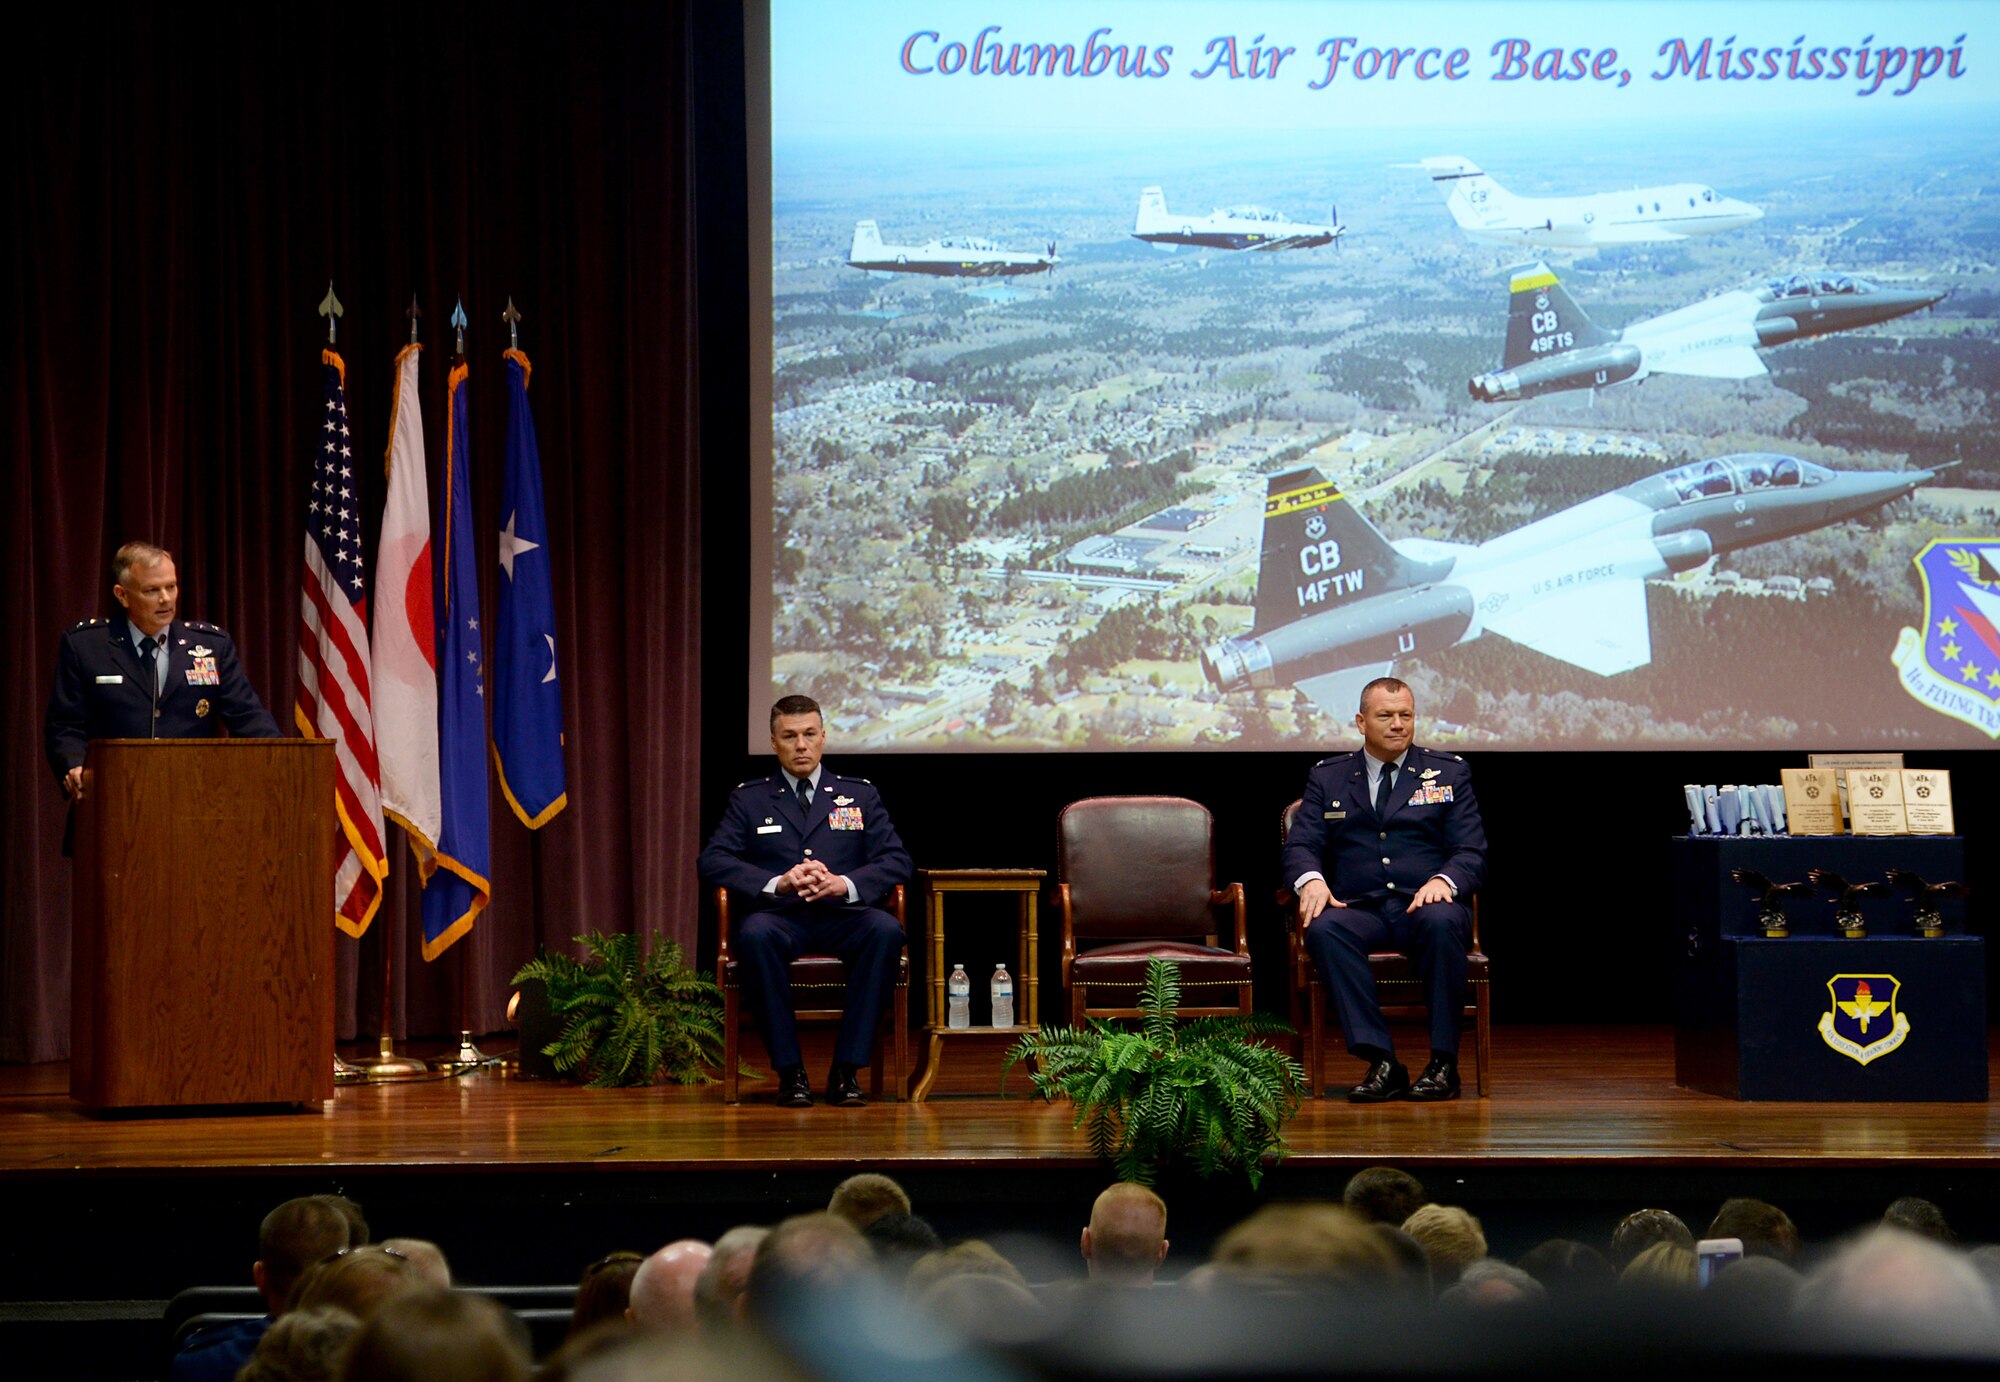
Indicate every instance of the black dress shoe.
{"type": "Point", "coordinates": [1438, 1082]}
{"type": "Point", "coordinates": [1387, 1079]}
{"type": "Point", "coordinates": [843, 1090]}
{"type": "Point", "coordinates": [794, 1089]}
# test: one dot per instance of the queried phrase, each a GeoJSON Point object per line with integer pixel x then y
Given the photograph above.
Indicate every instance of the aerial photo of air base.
{"type": "Point", "coordinates": [1173, 443]}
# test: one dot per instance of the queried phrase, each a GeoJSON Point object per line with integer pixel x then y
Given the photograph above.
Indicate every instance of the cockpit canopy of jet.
{"type": "Point", "coordinates": [1744, 474]}
{"type": "Point", "coordinates": [1815, 285]}
{"type": "Point", "coordinates": [966, 242]}
{"type": "Point", "coordinates": [1250, 213]}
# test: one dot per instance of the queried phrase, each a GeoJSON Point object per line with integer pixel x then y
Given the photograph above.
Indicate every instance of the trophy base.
{"type": "Point", "coordinates": [1856, 932]}
{"type": "Point", "coordinates": [1776, 933]}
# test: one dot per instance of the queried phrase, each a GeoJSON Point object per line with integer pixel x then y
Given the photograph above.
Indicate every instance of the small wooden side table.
{"type": "Point", "coordinates": [1026, 885]}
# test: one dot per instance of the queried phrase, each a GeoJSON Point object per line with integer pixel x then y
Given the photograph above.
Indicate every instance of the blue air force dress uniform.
{"type": "Point", "coordinates": [1375, 864]}
{"type": "Point", "coordinates": [105, 689]}
{"type": "Point", "coordinates": [764, 832]}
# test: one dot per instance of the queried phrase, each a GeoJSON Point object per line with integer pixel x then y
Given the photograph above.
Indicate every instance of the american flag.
{"type": "Point", "coordinates": [333, 693]}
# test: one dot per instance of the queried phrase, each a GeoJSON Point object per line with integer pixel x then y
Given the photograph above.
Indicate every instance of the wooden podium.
{"type": "Point", "coordinates": [202, 923]}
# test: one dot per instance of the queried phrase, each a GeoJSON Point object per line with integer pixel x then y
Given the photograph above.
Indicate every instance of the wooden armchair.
{"type": "Point", "coordinates": [819, 986]}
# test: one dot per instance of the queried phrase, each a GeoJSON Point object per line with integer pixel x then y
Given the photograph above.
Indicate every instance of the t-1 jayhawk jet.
{"type": "Point", "coordinates": [1553, 346]}
{"type": "Point", "coordinates": [951, 256]}
{"type": "Point", "coordinates": [1643, 216]}
{"type": "Point", "coordinates": [1338, 604]}
{"type": "Point", "coordinates": [1229, 228]}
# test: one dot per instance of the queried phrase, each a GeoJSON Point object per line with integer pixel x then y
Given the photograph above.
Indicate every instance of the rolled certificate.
{"type": "Point", "coordinates": [1774, 808]}
{"type": "Point", "coordinates": [1712, 807]}
{"type": "Point", "coordinates": [1753, 811]}
{"type": "Point", "coordinates": [1697, 817]}
{"type": "Point", "coordinates": [1731, 806]}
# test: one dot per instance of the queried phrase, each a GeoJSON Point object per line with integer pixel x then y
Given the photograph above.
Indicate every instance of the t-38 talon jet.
{"type": "Point", "coordinates": [1485, 210]}
{"type": "Point", "coordinates": [1338, 604]}
{"type": "Point", "coordinates": [1229, 228]}
{"type": "Point", "coordinates": [1553, 346]}
{"type": "Point", "coordinates": [951, 256]}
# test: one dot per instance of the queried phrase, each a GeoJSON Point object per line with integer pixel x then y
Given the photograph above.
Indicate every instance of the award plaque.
{"type": "Point", "coordinates": [1812, 801]}
{"type": "Point", "coordinates": [1875, 801]}
{"type": "Point", "coordinates": [1927, 800]}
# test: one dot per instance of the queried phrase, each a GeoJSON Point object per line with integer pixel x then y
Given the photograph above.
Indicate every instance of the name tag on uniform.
{"type": "Point", "coordinates": [113, 680]}
{"type": "Point", "coordinates": [1334, 815]}
{"type": "Point", "coordinates": [770, 829]}
{"type": "Point", "coordinates": [845, 818]}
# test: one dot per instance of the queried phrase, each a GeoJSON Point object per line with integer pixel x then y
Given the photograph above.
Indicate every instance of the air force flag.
{"type": "Point", "coordinates": [527, 696]}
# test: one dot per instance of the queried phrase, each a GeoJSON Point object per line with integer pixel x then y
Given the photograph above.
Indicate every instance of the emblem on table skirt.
{"type": "Point", "coordinates": [1862, 1021]}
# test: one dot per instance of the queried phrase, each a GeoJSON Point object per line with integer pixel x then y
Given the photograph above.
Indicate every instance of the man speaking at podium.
{"type": "Point", "coordinates": [145, 675]}
{"type": "Point", "coordinates": [1385, 854]}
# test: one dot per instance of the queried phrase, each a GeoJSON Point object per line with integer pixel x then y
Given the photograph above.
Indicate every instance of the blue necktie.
{"type": "Point", "coordinates": [149, 658]}
{"type": "Point", "coordinates": [805, 795]}
{"type": "Point", "coordinates": [1384, 785]}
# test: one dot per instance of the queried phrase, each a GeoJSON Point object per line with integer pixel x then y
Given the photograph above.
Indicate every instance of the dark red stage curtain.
{"type": "Point", "coordinates": [186, 180]}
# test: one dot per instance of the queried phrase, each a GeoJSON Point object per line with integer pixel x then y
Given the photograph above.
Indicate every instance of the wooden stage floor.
{"type": "Point", "coordinates": [1562, 1097]}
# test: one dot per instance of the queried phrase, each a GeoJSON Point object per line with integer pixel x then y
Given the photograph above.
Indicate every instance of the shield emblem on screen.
{"type": "Point", "coordinates": [1862, 1021]}
{"type": "Point", "coordinates": [1952, 664]}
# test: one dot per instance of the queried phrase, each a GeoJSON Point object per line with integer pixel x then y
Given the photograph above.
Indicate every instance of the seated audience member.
{"type": "Point", "coordinates": [357, 1222]}
{"type": "Point", "coordinates": [1488, 1285]}
{"type": "Point", "coordinates": [1755, 1288]}
{"type": "Point", "coordinates": [604, 1291]}
{"type": "Point", "coordinates": [1766, 1230]}
{"type": "Point", "coordinates": [1920, 1217]}
{"type": "Point", "coordinates": [1665, 1269]}
{"type": "Point", "coordinates": [1641, 1229]}
{"type": "Point", "coordinates": [986, 1306]}
{"type": "Point", "coordinates": [292, 1237]}
{"type": "Point", "coordinates": [863, 1199]}
{"type": "Point", "coordinates": [357, 1280]}
{"type": "Point", "coordinates": [1126, 1240]}
{"type": "Point", "coordinates": [433, 1335]}
{"type": "Point", "coordinates": [302, 1346]}
{"type": "Point", "coordinates": [1569, 1270]}
{"type": "Point", "coordinates": [426, 1259]}
{"type": "Point", "coordinates": [718, 1291]}
{"type": "Point", "coordinates": [1283, 1246]}
{"type": "Point", "coordinates": [1451, 1238]}
{"type": "Point", "coordinates": [899, 1240]}
{"type": "Point", "coordinates": [1891, 1288]}
{"type": "Point", "coordinates": [662, 1291]}
{"type": "Point", "coordinates": [1413, 1281]}
{"type": "Point", "coordinates": [1384, 1195]}
{"type": "Point", "coordinates": [807, 1252]}
{"type": "Point", "coordinates": [972, 1257]}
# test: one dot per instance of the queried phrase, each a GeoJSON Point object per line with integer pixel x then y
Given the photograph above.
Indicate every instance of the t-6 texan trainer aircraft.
{"type": "Point", "coordinates": [1338, 604]}
{"type": "Point", "coordinates": [1644, 216]}
{"type": "Point", "coordinates": [1229, 228]}
{"type": "Point", "coordinates": [953, 256]}
{"type": "Point", "coordinates": [1553, 346]}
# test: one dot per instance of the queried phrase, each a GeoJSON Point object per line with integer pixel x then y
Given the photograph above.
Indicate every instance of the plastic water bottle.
{"type": "Point", "coordinates": [958, 1003]}
{"type": "Point", "coordinates": [1003, 997]}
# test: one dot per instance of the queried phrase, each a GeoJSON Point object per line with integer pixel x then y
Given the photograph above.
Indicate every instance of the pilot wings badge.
{"type": "Point", "coordinates": [1862, 1022]}
{"type": "Point", "coordinates": [1952, 664]}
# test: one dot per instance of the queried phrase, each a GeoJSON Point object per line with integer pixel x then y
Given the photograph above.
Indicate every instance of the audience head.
{"type": "Point", "coordinates": [899, 1240]}
{"type": "Point", "coordinates": [661, 1295]}
{"type": "Point", "coordinates": [1127, 1238]}
{"type": "Point", "coordinates": [1664, 1269]}
{"type": "Point", "coordinates": [357, 1223]}
{"type": "Point", "coordinates": [357, 1280]}
{"type": "Point", "coordinates": [1641, 1229]}
{"type": "Point", "coordinates": [292, 1237]}
{"type": "Point", "coordinates": [972, 1257]}
{"type": "Point", "coordinates": [1756, 1288]}
{"type": "Point", "coordinates": [863, 1199]}
{"type": "Point", "coordinates": [1413, 1264]}
{"type": "Point", "coordinates": [1488, 1285]}
{"type": "Point", "coordinates": [302, 1346]}
{"type": "Point", "coordinates": [1284, 1243]}
{"type": "Point", "coordinates": [1889, 1287]}
{"type": "Point", "coordinates": [1451, 1238]}
{"type": "Point", "coordinates": [1765, 1229]}
{"type": "Point", "coordinates": [604, 1291]}
{"type": "Point", "coordinates": [806, 1252]}
{"type": "Point", "coordinates": [719, 1288]}
{"type": "Point", "coordinates": [988, 1306]}
{"type": "Point", "coordinates": [1569, 1270]}
{"type": "Point", "coordinates": [426, 1259]}
{"type": "Point", "coordinates": [1384, 1195]}
{"type": "Point", "coordinates": [434, 1335]}
{"type": "Point", "coordinates": [1920, 1217]}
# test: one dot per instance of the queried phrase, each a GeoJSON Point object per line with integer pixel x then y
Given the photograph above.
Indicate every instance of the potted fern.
{"type": "Point", "coordinates": [630, 1018]}
{"type": "Point", "coordinates": [1203, 1093]}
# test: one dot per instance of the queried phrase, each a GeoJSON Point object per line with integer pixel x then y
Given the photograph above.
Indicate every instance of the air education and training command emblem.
{"type": "Point", "coordinates": [1953, 664]}
{"type": "Point", "coordinates": [1862, 1022]}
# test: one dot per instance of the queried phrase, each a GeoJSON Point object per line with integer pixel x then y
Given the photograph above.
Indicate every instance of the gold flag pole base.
{"type": "Point", "coordinates": [468, 1056]}
{"type": "Point", "coordinates": [387, 1065]}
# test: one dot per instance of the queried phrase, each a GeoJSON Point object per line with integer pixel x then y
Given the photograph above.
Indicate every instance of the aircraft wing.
{"type": "Point", "coordinates": [1600, 628]}
{"type": "Point", "coordinates": [1724, 362]}
{"type": "Point", "coordinates": [1339, 693]}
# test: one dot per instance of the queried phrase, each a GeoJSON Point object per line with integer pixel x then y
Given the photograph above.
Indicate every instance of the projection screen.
{"type": "Point", "coordinates": [1153, 375]}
